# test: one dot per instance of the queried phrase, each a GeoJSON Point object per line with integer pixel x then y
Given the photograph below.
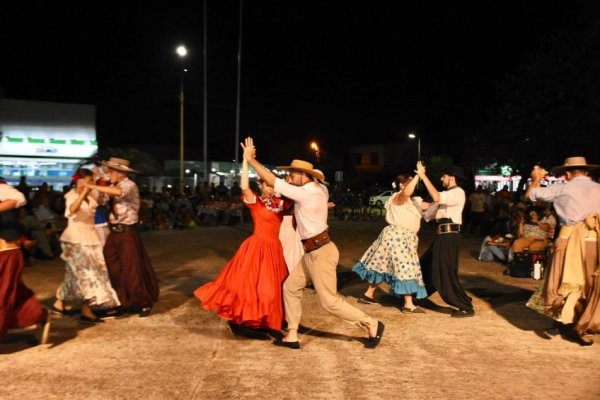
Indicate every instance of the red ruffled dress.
{"type": "Point", "coordinates": [248, 290]}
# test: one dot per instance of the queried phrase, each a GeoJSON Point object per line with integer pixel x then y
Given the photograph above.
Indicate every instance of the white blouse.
{"type": "Point", "coordinates": [81, 228]}
{"type": "Point", "coordinates": [407, 215]}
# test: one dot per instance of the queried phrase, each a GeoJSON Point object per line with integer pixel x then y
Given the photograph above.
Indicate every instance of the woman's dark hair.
{"type": "Point", "coordinates": [400, 179]}
{"type": "Point", "coordinates": [254, 185]}
{"type": "Point", "coordinates": [537, 210]}
{"type": "Point", "coordinates": [80, 174]}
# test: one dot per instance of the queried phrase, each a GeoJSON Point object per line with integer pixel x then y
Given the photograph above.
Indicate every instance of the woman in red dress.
{"type": "Point", "coordinates": [247, 291]}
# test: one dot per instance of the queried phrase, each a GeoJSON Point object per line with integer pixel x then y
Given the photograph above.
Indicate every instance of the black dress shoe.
{"type": "Point", "coordinates": [367, 300]}
{"type": "Point", "coordinates": [88, 320]}
{"type": "Point", "coordinates": [289, 345]}
{"type": "Point", "coordinates": [374, 341]}
{"type": "Point", "coordinates": [462, 313]}
{"type": "Point", "coordinates": [416, 310]}
{"type": "Point", "coordinates": [146, 311]}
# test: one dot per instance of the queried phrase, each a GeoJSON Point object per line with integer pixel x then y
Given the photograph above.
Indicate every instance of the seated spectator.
{"type": "Point", "coordinates": [531, 235]}
{"type": "Point", "coordinates": [236, 190]}
{"type": "Point", "coordinates": [548, 222]}
{"type": "Point", "coordinates": [42, 211]}
{"type": "Point", "coordinates": [47, 244]}
{"type": "Point", "coordinates": [235, 211]}
{"type": "Point", "coordinates": [184, 218]}
{"type": "Point", "coordinates": [161, 220]}
{"type": "Point", "coordinates": [495, 246]}
{"type": "Point", "coordinates": [222, 206]}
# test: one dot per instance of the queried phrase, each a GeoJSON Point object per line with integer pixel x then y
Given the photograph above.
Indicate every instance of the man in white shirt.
{"type": "Point", "coordinates": [439, 264]}
{"type": "Point", "coordinates": [321, 257]}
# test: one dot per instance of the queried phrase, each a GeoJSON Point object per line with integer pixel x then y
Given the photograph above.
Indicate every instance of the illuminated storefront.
{"type": "Point", "coordinates": [45, 142]}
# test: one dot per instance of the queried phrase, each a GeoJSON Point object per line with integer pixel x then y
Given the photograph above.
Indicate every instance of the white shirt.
{"type": "Point", "coordinates": [451, 204]}
{"type": "Point", "coordinates": [550, 220]}
{"type": "Point", "coordinates": [573, 200]}
{"type": "Point", "coordinates": [310, 208]}
{"type": "Point", "coordinates": [406, 215]}
{"type": "Point", "coordinates": [81, 228]}
{"type": "Point", "coordinates": [8, 192]}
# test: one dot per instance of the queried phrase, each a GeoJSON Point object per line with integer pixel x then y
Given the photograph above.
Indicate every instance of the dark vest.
{"type": "Point", "coordinates": [10, 228]}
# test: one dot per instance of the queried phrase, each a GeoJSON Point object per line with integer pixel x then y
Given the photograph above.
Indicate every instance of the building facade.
{"type": "Point", "coordinates": [43, 141]}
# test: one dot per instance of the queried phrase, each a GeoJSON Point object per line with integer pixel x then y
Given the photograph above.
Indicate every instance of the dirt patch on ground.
{"type": "Point", "coordinates": [183, 352]}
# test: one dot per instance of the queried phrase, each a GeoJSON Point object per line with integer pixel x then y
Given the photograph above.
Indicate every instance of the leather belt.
{"type": "Point", "coordinates": [447, 228]}
{"type": "Point", "coordinates": [316, 242]}
{"type": "Point", "coordinates": [120, 228]}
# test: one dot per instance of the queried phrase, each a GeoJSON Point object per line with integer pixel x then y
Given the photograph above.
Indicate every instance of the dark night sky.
{"type": "Point", "coordinates": [338, 72]}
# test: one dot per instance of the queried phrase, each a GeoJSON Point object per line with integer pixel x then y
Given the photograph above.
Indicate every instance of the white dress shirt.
{"type": "Point", "coordinates": [310, 208]}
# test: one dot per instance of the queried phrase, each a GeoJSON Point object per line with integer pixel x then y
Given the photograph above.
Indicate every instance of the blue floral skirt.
{"type": "Point", "coordinates": [393, 259]}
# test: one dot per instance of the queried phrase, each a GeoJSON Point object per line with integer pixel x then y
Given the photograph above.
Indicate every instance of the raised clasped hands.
{"type": "Point", "coordinates": [249, 149]}
{"type": "Point", "coordinates": [420, 169]}
{"type": "Point", "coordinates": [538, 173]}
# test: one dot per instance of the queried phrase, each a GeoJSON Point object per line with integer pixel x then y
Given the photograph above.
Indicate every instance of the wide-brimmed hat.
{"type": "Point", "coordinates": [573, 163]}
{"type": "Point", "coordinates": [323, 181]}
{"type": "Point", "coordinates": [303, 166]}
{"type": "Point", "coordinates": [119, 164]}
{"type": "Point", "coordinates": [455, 171]}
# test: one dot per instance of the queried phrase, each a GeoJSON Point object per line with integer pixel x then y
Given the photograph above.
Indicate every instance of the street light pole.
{"type": "Point", "coordinates": [239, 83]}
{"type": "Point", "coordinates": [315, 147]}
{"type": "Point", "coordinates": [205, 101]}
{"type": "Point", "coordinates": [414, 136]}
{"type": "Point", "coordinates": [182, 52]}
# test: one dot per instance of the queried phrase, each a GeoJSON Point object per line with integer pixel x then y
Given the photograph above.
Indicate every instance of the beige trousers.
{"type": "Point", "coordinates": [319, 266]}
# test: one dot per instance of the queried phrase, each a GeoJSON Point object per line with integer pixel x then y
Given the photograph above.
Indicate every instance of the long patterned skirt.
{"type": "Point", "coordinates": [86, 276]}
{"type": "Point", "coordinates": [393, 259]}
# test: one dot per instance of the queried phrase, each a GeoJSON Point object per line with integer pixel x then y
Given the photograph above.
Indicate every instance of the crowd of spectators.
{"type": "Point", "coordinates": [207, 205]}
{"type": "Point", "coordinates": [509, 224]}
{"type": "Point", "coordinates": [42, 218]}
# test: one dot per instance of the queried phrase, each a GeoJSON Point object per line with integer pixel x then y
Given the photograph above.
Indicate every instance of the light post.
{"type": "Point", "coordinates": [182, 52]}
{"type": "Point", "coordinates": [414, 136]}
{"type": "Point", "coordinates": [315, 146]}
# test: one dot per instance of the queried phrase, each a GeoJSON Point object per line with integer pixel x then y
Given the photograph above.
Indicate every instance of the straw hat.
{"type": "Point", "coordinates": [303, 166]}
{"type": "Point", "coordinates": [322, 181]}
{"type": "Point", "coordinates": [119, 164]}
{"type": "Point", "coordinates": [573, 163]}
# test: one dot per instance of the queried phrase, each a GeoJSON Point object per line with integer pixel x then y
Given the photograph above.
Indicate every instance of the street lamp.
{"type": "Point", "coordinates": [414, 136]}
{"type": "Point", "coordinates": [314, 146]}
{"type": "Point", "coordinates": [182, 52]}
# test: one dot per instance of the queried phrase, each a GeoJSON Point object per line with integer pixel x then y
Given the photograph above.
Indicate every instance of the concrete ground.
{"type": "Point", "coordinates": [183, 352]}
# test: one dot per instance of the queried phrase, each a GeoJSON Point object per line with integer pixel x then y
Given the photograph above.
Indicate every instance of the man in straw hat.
{"type": "Point", "coordinates": [19, 307]}
{"type": "Point", "coordinates": [439, 264]}
{"type": "Point", "coordinates": [321, 257]}
{"type": "Point", "coordinates": [571, 291]}
{"type": "Point", "coordinates": [129, 267]}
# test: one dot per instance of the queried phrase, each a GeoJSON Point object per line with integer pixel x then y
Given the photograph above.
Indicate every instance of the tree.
{"type": "Point", "coordinates": [549, 105]}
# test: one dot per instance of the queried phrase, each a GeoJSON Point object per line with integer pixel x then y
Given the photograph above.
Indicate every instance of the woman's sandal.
{"type": "Point", "coordinates": [64, 311]}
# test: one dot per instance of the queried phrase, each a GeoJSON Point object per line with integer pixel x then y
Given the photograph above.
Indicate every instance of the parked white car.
{"type": "Point", "coordinates": [380, 199]}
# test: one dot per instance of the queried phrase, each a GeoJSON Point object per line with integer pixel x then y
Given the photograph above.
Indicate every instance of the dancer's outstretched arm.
{"type": "Point", "coordinates": [248, 193]}
{"type": "Point", "coordinates": [435, 195]}
{"type": "Point", "coordinates": [250, 154]}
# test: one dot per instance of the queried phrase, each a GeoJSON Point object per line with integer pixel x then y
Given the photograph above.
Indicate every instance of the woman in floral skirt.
{"type": "Point", "coordinates": [86, 276]}
{"type": "Point", "coordinates": [393, 257]}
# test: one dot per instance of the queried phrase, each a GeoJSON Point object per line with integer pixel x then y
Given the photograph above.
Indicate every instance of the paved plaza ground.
{"type": "Point", "coordinates": [183, 352]}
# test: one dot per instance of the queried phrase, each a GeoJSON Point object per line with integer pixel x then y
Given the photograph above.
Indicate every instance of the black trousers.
{"type": "Point", "coordinates": [439, 266]}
